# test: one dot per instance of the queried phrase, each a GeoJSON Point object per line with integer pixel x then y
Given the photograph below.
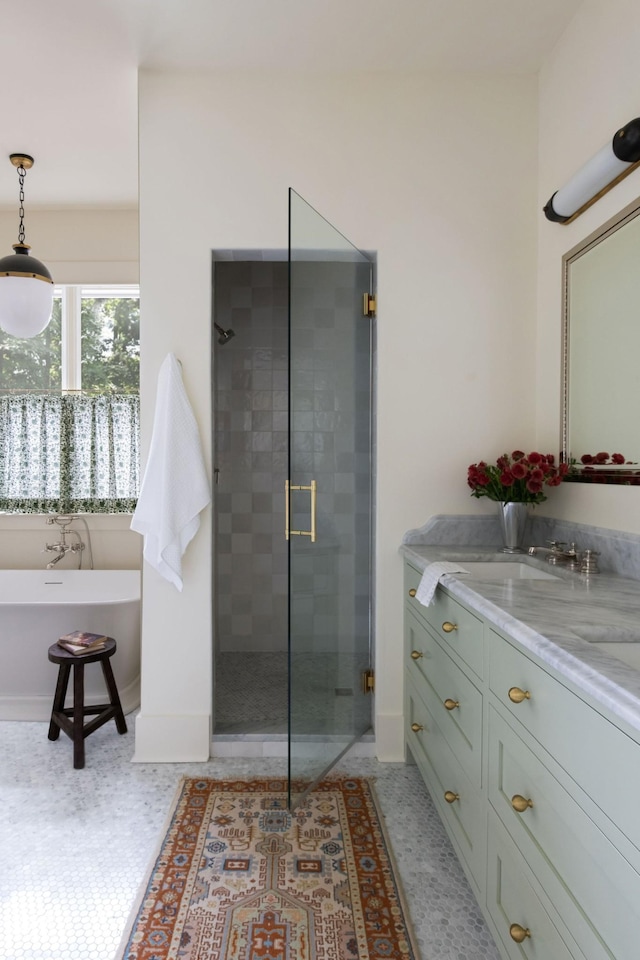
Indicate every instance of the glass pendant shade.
{"type": "Point", "coordinates": [26, 294]}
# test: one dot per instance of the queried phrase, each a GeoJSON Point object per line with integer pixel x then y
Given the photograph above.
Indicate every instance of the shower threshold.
{"type": "Point", "coordinates": [276, 744]}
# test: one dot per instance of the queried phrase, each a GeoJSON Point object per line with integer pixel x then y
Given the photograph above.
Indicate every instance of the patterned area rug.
{"type": "Point", "coordinates": [238, 877]}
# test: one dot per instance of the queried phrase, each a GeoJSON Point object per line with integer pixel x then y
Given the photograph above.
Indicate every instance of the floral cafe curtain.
{"type": "Point", "coordinates": [69, 454]}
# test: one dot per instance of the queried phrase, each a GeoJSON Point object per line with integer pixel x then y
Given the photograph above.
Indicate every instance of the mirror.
{"type": "Point", "coordinates": [601, 354]}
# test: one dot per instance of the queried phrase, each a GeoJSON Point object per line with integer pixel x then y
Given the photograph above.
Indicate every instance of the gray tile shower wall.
{"type": "Point", "coordinates": [329, 443]}
{"type": "Point", "coordinates": [250, 446]}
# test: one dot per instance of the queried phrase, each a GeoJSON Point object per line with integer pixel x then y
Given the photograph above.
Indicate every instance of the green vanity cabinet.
{"type": "Point", "coordinates": [464, 641]}
{"type": "Point", "coordinates": [444, 717]}
{"type": "Point", "coordinates": [536, 784]}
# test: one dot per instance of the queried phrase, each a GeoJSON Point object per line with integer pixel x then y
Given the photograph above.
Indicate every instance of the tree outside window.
{"type": "Point", "coordinates": [35, 365]}
{"type": "Point", "coordinates": [69, 407]}
{"type": "Point", "coordinates": [99, 329]}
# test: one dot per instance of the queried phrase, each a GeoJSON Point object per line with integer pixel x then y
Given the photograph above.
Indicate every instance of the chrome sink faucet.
{"type": "Point", "coordinates": [557, 553]}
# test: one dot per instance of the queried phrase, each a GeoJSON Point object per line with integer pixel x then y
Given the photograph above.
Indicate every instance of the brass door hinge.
{"type": "Point", "coordinates": [369, 305]}
{"type": "Point", "coordinates": [368, 681]}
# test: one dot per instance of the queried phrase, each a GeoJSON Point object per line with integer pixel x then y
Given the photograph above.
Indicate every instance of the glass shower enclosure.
{"type": "Point", "coordinates": [293, 530]}
{"type": "Point", "coordinates": [328, 495]}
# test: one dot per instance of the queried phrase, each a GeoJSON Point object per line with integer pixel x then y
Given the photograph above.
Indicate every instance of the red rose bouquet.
{"type": "Point", "coordinates": [518, 478]}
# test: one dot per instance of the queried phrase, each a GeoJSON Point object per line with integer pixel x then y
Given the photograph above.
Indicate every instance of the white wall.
{"type": "Point", "coordinates": [589, 87]}
{"type": "Point", "coordinates": [438, 175]}
{"type": "Point", "coordinates": [79, 246]}
{"type": "Point", "coordinates": [113, 543]}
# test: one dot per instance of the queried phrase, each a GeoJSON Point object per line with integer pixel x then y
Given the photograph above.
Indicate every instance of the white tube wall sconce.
{"type": "Point", "coordinates": [609, 166]}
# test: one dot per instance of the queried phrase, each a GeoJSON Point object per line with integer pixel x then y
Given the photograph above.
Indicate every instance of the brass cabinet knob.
{"type": "Point", "coordinates": [518, 933]}
{"type": "Point", "coordinates": [417, 727]}
{"type": "Point", "coordinates": [449, 627]}
{"type": "Point", "coordinates": [416, 654]}
{"type": "Point", "coordinates": [451, 704]}
{"type": "Point", "coordinates": [451, 797]}
{"type": "Point", "coordinates": [412, 592]}
{"type": "Point", "coordinates": [520, 804]}
{"type": "Point", "coordinates": [516, 695]}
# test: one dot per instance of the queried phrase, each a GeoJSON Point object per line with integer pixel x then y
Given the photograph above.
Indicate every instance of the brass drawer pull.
{"type": "Point", "coordinates": [412, 592]}
{"type": "Point", "coordinates": [518, 933]}
{"type": "Point", "coordinates": [449, 627]}
{"type": "Point", "coordinates": [417, 727]}
{"type": "Point", "coordinates": [516, 695]}
{"type": "Point", "coordinates": [520, 803]}
{"type": "Point", "coordinates": [416, 654]}
{"type": "Point", "coordinates": [451, 797]}
{"type": "Point", "coordinates": [451, 704]}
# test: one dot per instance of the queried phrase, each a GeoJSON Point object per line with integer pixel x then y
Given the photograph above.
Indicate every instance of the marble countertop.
{"type": "Point", "coordinates": [543, 616]}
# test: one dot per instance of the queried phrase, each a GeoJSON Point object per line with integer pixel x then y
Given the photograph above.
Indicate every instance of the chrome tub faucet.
{"type": "Point", "coordinates": [61, 547]}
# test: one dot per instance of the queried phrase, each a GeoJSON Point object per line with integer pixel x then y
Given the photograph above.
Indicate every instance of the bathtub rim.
{"type": "Point", "coordinates": [131, 592]}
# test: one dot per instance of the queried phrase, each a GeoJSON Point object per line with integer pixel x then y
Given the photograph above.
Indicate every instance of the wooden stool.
{"type": "Point", "coordinates": [71, 719]}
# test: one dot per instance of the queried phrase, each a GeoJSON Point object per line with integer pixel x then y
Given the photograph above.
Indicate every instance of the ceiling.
{"type": "Point", "coordinates": [69, 68]}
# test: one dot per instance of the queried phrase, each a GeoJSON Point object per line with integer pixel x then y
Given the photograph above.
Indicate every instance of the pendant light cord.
{"type": "Point", "coordinates": [21, 175]}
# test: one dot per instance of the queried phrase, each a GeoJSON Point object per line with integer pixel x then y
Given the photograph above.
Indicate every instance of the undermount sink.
{"type": "Point", "coordinates": [503, 570]}
{"type": "Point", "coordinates": [623, 643]}
{"type": "Point", "coordinates": [606, 633]}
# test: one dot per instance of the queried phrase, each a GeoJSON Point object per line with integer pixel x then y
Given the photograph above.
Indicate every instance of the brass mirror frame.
{"type": "Point", "coordinates": [628, 476]}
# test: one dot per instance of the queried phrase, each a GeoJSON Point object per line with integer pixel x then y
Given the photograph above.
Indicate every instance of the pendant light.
{"type": "Point", "coordinates": [26, 287]}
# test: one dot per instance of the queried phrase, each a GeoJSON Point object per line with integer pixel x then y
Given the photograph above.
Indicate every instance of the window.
{"type": "Point", "coordinates": [69, 407]}
{"type": "Point", "coordinates": [92, 344]}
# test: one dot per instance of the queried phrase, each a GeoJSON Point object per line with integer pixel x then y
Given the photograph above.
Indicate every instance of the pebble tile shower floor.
{"type": "Point", "coordinates": [75, 845]}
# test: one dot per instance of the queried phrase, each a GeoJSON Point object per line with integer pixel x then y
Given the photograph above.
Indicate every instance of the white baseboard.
{"type": "Point", "coordinates": [175, 739]}
{"type": "Point", "coordinates": [390, 737]}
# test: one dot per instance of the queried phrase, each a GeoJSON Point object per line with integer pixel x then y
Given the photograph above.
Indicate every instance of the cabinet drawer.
{"type": "Point", "coordinates": [512, 900]}
{"type": "Point", "coordinates": [445, 777]}
{"type": "Point", "coordinates": [602, 760]}
{"type": "Point", "coordinates": [590, 883]}
{"type": "Point", "coordinates": [453, 623]}
{"type": "Point", "coordinates": [448, 693]}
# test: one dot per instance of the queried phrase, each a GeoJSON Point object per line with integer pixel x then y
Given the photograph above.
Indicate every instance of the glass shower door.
{"type": "Point", "coordinates": [329, 495]}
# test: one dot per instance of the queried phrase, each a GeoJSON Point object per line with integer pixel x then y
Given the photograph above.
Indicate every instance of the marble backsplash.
{"type": "Point", "coordinates": [619, 552]}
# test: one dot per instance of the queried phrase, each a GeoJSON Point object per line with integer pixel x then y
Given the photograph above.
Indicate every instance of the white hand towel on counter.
{"type": "Point", "coordinates": [175, 486]}
{"type": "Point", "coordinates": [431, 576]}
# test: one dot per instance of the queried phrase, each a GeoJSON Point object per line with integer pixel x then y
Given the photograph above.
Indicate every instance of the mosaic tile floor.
{"type": "Point", "coordinates": [253, 684]}
{"type": "Point", "coordinates": [251, 694]}
{"type": "Point", "coordinates": [75, 845]}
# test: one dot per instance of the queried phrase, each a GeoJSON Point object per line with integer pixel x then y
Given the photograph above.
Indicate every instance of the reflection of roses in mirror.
{"type": "Point", "coordinates": [598, 459]}
{"type": "Point", "coordinates": [516, 478]}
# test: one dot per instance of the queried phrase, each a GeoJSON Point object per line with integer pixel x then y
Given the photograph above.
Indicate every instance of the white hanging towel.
{"type": "Point", "coordinates": [175, 486]}
{"type": "Point", "coordinates": [431, 576]}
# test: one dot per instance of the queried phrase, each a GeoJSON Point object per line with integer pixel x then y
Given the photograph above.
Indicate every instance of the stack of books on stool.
{"type": "Point", "coordinates": [79, 642]}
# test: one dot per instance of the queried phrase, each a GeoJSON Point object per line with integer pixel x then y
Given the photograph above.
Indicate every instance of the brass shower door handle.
{"type": "Point", "coordinates": [312, 488]}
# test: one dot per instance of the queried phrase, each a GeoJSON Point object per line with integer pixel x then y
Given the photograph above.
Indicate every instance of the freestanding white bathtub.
{"type": "Point", "coordinates": [37, 607]}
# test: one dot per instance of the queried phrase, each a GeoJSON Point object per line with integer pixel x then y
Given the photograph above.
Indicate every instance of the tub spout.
{"type": "Point", "coordinates": [57, 559]}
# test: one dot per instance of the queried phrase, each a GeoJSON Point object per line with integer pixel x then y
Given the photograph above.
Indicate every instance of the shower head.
{"type": "Point", "coordinates": [225, 335]}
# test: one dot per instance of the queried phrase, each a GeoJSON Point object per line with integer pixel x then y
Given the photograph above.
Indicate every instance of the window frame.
{"type": "Point", "coordinates": [71, 296]}
{"type": "Point", "coordinates": [71, 398]}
